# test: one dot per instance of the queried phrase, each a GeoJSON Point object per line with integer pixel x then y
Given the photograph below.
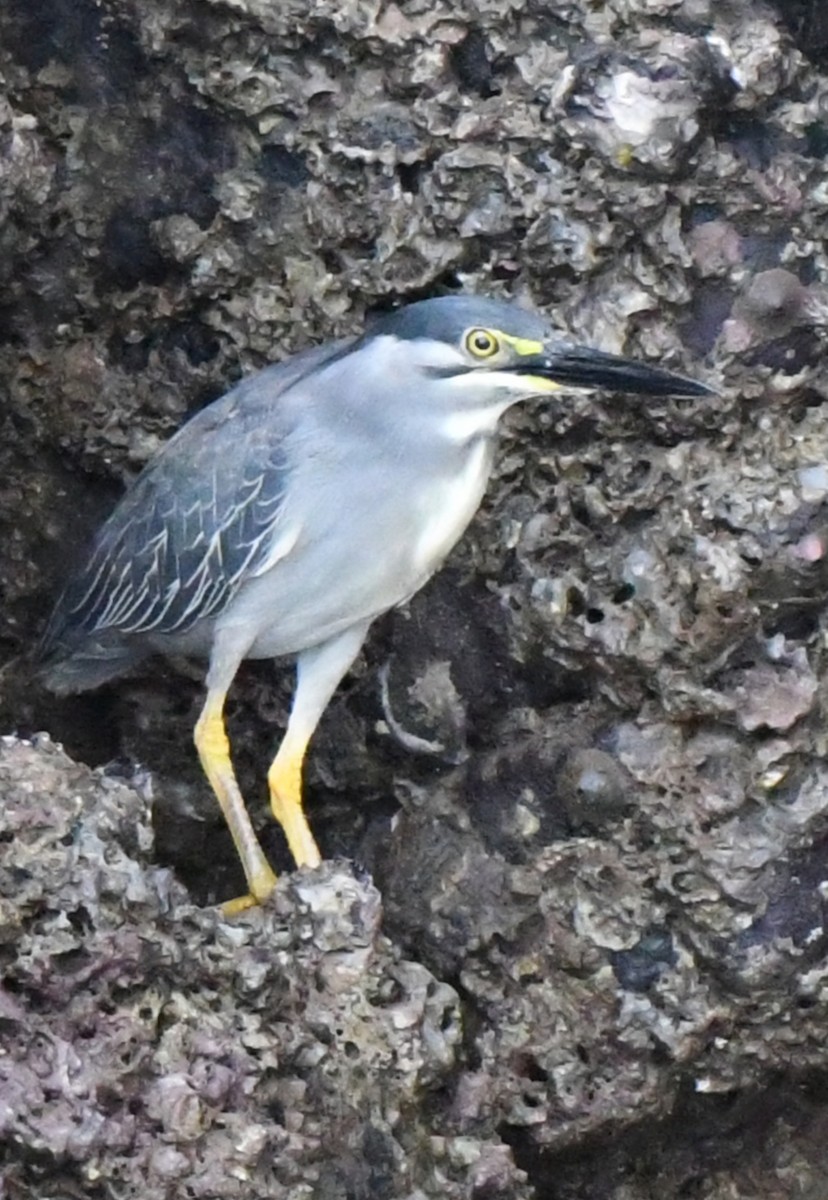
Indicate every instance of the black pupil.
{"type": "Point", "coordinates": [482, 342]}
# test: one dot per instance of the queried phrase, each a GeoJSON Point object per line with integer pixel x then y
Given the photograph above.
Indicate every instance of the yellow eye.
{"type": "Point", "coordinates": [481, 343]}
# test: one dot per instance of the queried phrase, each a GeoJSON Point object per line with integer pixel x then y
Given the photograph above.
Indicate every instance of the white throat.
{"type": "Point", "coordinates": [448, 507]}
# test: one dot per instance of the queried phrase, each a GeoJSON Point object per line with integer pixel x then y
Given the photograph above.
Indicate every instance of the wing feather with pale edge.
{"type": "Point", "coordinates": [200, 519]}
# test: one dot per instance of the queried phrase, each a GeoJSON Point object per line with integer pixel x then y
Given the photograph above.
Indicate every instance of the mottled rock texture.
{"type": "Point", "coordinates": [152, 1048]}
{"type": "Point", "coordinates": [599, 964]}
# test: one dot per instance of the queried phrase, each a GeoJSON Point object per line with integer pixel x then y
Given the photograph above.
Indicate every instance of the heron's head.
{"type": "Point", "coordinates": [487, 354]}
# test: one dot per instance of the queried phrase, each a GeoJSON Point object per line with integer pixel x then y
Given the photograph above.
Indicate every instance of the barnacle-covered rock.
{"type": "Point", "coordinates": [152, 1048]}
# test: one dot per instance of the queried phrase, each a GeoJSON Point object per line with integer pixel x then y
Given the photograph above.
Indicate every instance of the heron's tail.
{"type": "Point", "coordinates": [94, 661]}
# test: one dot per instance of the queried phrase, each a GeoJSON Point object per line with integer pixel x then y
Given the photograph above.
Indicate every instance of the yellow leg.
{"type": "Point", "coordinates": [214, 751]}
{"type": "Point", "coordinates": [285, 782]}
{"type": "Point", "coordinates": [318, 672]}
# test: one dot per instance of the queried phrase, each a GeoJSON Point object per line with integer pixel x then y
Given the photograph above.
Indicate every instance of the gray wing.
{"type": "Point", "coordinates": [199, 520]}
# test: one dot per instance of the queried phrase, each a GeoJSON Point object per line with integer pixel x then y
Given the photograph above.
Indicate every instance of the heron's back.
{"type": "Point", "coordinates": [200, 519]}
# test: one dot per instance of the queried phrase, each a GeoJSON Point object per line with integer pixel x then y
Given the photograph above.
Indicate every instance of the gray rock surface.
{"type": "Point", "coordinates": [152, 1048]}
{"type": "Point", "coordinates": [596, 962]}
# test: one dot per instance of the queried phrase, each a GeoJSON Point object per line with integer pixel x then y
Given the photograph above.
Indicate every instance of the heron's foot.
{"type": "Point", "coordinates": [290, 815]}
{"type": "Point", "coordinates": [214, 751]}
{"type": "Point", "coordinates": [261, 885]}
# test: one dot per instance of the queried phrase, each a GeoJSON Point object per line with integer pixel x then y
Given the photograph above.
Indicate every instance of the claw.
{"type": "Point", "coordinates": [261, 887]}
